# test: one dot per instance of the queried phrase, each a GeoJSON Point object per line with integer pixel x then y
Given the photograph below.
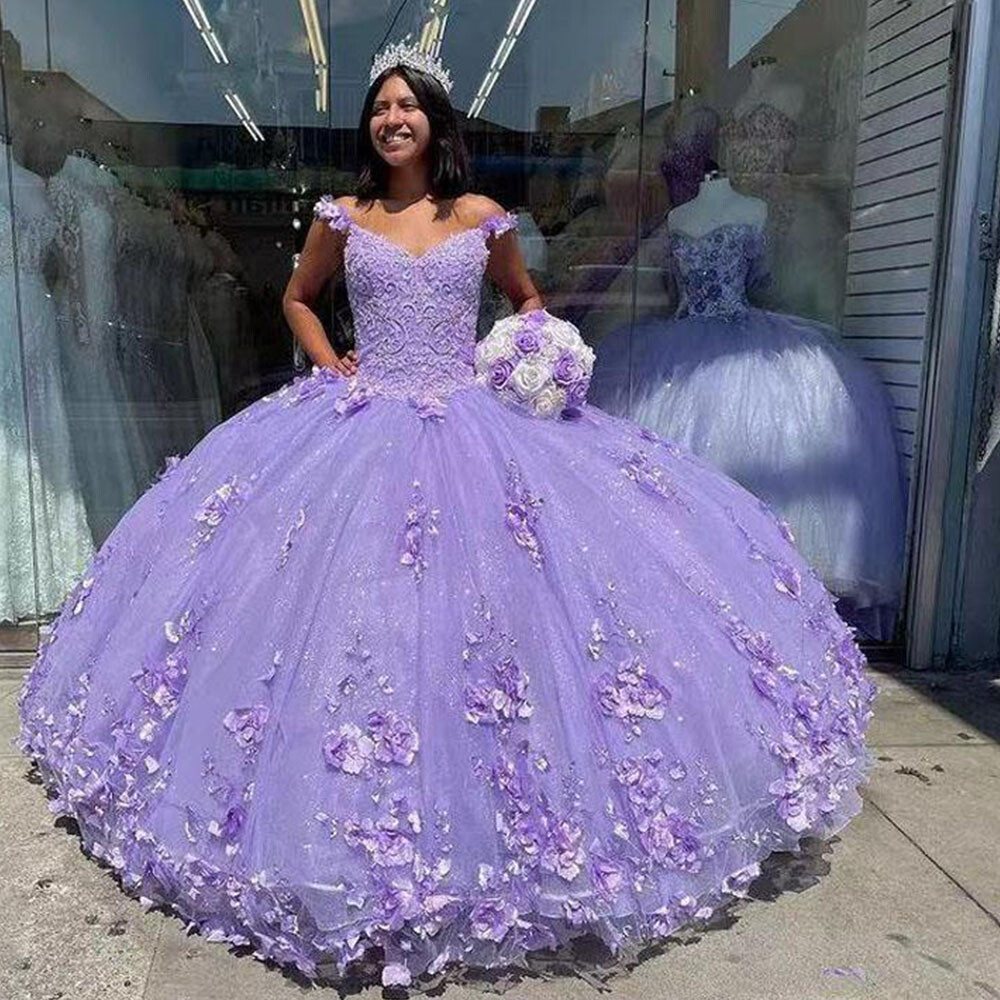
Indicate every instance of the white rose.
{"type": "Point", "coordinates": [549, 402]}
{"type": "Point", "coordinates": [529, 376]}
{"type": "Point", "coordinates": [563, 335]}
{"type": "Point", "coordinates": [489, 350]}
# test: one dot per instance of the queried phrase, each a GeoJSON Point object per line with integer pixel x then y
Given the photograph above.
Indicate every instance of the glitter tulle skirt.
{"type": "Point", "coordinates": [777, 404]}
{"type": "Point", "coordinates": [453, 684]}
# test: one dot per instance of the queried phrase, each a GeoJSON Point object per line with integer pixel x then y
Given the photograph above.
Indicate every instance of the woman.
{"type": "Point", "coordinates": [389, 670]}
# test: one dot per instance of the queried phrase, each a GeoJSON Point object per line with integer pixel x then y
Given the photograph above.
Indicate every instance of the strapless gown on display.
{"type": "Point", "coordinates": [774, 402]}
{"type": "Point", "coordinates": [386, 668]}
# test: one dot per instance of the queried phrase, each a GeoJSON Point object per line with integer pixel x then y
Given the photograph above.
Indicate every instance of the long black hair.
{"type": "Point", "coordinates": [449, 159]}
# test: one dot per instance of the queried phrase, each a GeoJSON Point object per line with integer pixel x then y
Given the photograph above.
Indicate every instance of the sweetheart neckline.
{"type": "Point", "coordinates": [721, 225]}
{"type": "Point", "coordinates": [406, 253]}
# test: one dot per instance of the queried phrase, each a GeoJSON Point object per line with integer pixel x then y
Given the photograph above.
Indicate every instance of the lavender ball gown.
{"type": "Point", "coordinates": [773, 401]}
{"type": "Point", "coordinates": [386, 669]}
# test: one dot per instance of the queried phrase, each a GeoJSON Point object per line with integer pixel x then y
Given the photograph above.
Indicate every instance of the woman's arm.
{"type": "Point", "coordinates": [506, 265]}
{"type": "Point", "coordinates": [322, 257]}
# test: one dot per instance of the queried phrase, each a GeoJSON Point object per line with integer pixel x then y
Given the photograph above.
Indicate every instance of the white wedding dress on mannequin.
{"type": "Point", "coordinates": [113, 460]}
{"type": "Point", "coordinates": [45, 541]}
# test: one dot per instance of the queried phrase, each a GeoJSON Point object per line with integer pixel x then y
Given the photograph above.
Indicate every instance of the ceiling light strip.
{"type": "Point", "coordinates": [502, 54]}
{"type": "Point", "coordinates": [314, 34]}
{"type": "Point", "coordinates": [239, 109]}
{"type": "Point", "coordinates": [204, 28]}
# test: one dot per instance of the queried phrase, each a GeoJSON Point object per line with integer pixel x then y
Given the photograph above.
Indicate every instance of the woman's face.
{"type": "Point", "coordinates": [399, 129]}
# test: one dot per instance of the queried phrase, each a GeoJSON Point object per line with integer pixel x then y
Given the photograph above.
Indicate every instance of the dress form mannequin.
{"type": "Point", "coordinates": [717, 204]}
{"type": "Point", "coordinates": [690, 144]}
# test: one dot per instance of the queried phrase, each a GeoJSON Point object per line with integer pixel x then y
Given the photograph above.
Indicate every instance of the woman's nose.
{"type": "Point", "coordinates": [394, 116]}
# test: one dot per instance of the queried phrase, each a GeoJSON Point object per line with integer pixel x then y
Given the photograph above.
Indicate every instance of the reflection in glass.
{"type": "Point", "coordinates": [731, 357]}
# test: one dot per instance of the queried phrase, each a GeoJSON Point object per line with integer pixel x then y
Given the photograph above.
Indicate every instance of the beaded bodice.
{"type": "Point", "coordinates": [687, 155]}
{"type": "Point", "coordinates": [759, 142]}
{"type": "Point", "coordinates": [414, 315]}
{"type": "Point", "coordinates": [715, 270]}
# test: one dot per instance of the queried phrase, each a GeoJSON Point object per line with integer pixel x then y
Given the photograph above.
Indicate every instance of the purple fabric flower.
{"type": "Point", "coordinates": [506, 701]}
{"type": "Point", "coordinates": [609, 876]}
{"type": "Point", "coordinates": [786, 579]}
{"type": "Point", "coordinates": [631, 694]}
{"type": "Point", "coordinates": [523, 508]}
{"type": "Point", "coordinates": [356, 398]}
{"type": "Point", "coordinates": [491, 919]}
{"type": "Point", "coordinates": [214, 509]}
{"type": "Point", "coordinates": [396, 739]}
{"type": "Point", "coordinates": [348, 749]}
{"type": "Point", "coordinates": [247, 725]}
{"type": "Point", "coordinates": [563, 853]}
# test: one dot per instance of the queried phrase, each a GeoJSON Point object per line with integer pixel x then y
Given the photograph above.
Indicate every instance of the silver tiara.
{"type": "Point", "coordinates": [402, 53]}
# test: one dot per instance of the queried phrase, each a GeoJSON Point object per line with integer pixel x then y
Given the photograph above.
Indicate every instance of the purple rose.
{"type": "Point", "coordinates": [527, 340]}
{"type": "Point", "coordinates": [500, 371]}
{"type": "Point", "coordinates": [566, 371]}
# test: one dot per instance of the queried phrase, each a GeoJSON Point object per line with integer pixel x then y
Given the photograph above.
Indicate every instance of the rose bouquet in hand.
{"type": "Point", "coordinates": [538, 362]}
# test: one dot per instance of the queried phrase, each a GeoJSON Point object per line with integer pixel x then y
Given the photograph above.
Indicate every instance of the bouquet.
{"type": "Point", "coordinates": [537, 362]}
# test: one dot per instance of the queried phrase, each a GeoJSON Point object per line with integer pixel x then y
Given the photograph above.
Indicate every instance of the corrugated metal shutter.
{"type": "Point", "coordinates": [896, 202]}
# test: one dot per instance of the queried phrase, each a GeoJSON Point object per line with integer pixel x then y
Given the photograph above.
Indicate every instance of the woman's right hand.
{"type": "Point", "coordinates": [346, 365]}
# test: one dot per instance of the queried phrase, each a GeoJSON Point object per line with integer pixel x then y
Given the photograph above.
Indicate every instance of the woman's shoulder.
{"type": "Point", "coordinates": [336, 212]}
{"type": "Point", "coordinates": [479, 210]}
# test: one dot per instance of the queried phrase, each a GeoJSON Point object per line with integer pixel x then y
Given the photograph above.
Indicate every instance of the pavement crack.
{"type": "Point", "coordinates": [944, 871]}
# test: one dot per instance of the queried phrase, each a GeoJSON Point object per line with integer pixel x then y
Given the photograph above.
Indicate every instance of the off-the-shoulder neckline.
{"type": "Point", "coordinates": [484, 228]}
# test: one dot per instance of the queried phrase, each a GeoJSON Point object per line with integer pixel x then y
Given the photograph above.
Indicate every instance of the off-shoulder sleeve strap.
{"type": "Point", "coordinates": [497, 225]}
{"type": "Point", "coordinates": [334, 215]}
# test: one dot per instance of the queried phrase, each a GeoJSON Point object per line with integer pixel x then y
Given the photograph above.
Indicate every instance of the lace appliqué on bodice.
{"type": "Point", "coordinates": [714, 271]}
{"type": "Point", "coordinates": [414, 315]}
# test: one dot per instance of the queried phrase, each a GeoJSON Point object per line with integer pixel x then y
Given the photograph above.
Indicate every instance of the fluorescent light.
{"type": "Point", "coordinates": [320, 64]}
{"type": "Point", "coordinates": [204, 26]}
{"type": "Point", "coordinates": [239, 109]}
{"type": "Point", "coordinates": [517, 22]}
{"type": "Point", "coordinates": [432, 33]}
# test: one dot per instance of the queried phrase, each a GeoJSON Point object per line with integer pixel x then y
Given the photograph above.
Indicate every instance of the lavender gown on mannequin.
{"type": "Point", "coordinates": [385, 662]}
{"type": "Point", "coordinates": [772, 401]}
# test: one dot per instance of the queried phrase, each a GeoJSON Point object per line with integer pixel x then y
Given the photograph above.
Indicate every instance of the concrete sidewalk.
{"type": "Point", "coordinates": [905, 904]}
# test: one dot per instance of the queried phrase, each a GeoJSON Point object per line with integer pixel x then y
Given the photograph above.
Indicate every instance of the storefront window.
{"type": "Point", "coordinates": [687, 180]}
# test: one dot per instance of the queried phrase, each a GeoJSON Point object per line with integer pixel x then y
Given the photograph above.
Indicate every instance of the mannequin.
{"type": "Point", "coordinates": [689, 144]}
{"type": "Point", "coordinates": [716, 204]}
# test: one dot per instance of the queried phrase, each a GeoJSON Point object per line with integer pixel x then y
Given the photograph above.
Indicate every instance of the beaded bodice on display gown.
{"type": "Point", "coordinates": [759, 142]}
{"type": "Point", "coordinates": [715, 270]}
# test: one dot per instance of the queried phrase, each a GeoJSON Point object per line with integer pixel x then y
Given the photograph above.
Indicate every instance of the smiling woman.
{"type": "Point", "coordinates": [406, 115]}
{"type": "Point", "coordinates": [394, 668]}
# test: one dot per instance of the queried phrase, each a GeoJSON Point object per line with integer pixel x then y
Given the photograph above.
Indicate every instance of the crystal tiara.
{"type": "Point", "coordinates": [402, 53]}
